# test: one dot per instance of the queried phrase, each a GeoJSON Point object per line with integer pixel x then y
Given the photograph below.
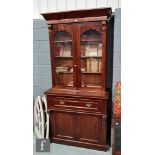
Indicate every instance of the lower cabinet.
{"type": "Point", "coordinates": [78, 121]}
{"type": "Point", "coordinates": [79, 129]}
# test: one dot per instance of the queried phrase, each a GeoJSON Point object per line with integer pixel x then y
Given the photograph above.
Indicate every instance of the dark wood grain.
{"type": "Point", "coordinates": [103, 54]}
{"type": "Point", "coordinates": [77, 20]}
{"type": "Point", "coordinates": [77, 14]}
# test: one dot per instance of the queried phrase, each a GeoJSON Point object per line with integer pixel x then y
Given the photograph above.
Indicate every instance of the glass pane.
{"type": "Point", "coordinates": [91, 59]}
{"type": "Point", "coordinates": [63, 59]}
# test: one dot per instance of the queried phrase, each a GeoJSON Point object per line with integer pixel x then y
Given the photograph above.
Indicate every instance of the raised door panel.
{"type": "Point", "coordinates": [88, 128]}
{"type": "Point", "coordinates": [91, 129]}
{"type": "Point", "coordinates": [62, 125]}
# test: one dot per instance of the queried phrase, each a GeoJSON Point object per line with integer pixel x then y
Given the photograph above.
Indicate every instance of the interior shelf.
{"type": "Point", "coordinates": [63, 56]}
{"type": "Point", "coordinates": [91, 56]}
{"type": "Point", "coordinates": [62, 41]}
{"type": "Point", "coordinates": [64, 72]}
{"type": "Point", "coordinates": [91, 72]}
{"type": "Point", "coordinates": [91, 40]}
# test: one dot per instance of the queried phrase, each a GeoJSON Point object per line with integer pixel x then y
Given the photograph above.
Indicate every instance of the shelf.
{"type": "Point", "coordinates": [64, 72]}
{"type": "Point", "coordinates": [91, 72]}
{"type": "Point", "coordinates": [63, 57]}
{"type": "Point", "coordinates": [91, 40]}
{"type": "Point", "coordinates": [93, 86]}
{"type": "Point", "coordinates": [91, 56]}
{"type": "Point", "coordinates": [63, 41]}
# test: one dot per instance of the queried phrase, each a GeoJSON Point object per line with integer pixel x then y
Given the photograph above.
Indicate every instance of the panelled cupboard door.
{"type": "Point", "coordinates": [63, 56]}
{"type": "Point", "coordinates": [81, 127]}
{"type": "Point", "coordinates": [91, 129]}
{"type": "Point", "coordinates": [62, 125]}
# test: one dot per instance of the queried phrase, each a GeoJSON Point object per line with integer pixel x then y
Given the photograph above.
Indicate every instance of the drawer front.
{"type": "Point", "coordinates": [71, 103]}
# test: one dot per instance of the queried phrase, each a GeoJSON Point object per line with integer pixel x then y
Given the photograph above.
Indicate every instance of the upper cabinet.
{"type": "Point", "coordinates": [78, 48]}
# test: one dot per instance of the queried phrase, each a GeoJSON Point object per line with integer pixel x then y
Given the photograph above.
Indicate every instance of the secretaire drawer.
{"type": "Point", "coordinates": [71, 103]}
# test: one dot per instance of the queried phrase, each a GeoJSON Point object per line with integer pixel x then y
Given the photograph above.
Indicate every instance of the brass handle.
{"type": "Point", "coordinates": [61, 102]}
{"type": "Point", "coordinates": [88, 105]}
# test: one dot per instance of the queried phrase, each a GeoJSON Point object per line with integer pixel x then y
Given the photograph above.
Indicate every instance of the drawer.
{"type": "Point", "coordinates": [80, 105]}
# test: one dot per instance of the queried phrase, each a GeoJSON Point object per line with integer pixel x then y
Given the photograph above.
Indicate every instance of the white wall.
{"type": "Point", "coordinates": [42, 6]}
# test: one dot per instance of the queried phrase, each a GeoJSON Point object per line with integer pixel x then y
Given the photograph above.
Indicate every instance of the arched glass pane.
{"type": "Point", "coordinates": [63, 59]}
{"type": "Point", "coordinates": [91, 59]}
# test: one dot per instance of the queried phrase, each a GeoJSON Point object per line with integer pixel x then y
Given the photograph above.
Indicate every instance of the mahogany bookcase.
{"type": "Point", "coordinates": [81, 54]}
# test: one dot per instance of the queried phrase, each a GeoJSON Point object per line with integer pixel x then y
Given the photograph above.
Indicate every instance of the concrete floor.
{"type": "Point", "coordinates": [57, 149]}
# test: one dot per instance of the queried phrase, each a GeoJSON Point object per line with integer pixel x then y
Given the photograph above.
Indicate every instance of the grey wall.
{"type": "Point", "coordinates": [41, 57]}
{"type": "Point", "coordinates": [117, 48]}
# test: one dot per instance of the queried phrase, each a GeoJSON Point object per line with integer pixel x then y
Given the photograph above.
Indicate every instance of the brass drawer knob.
{"type": "Point", "coordinates": [61, 102]}
{"type": "Point", "coordinates": [88, 105]}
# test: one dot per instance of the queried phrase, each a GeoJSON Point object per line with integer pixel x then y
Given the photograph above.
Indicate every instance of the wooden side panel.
{"type": "Point", "coordinates": [104, 53]}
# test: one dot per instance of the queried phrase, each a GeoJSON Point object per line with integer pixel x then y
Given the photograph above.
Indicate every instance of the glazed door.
{"type": "Point", "coordinates": [91, 56]}
{"type": "Point", "coordinates": [63, 56]}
